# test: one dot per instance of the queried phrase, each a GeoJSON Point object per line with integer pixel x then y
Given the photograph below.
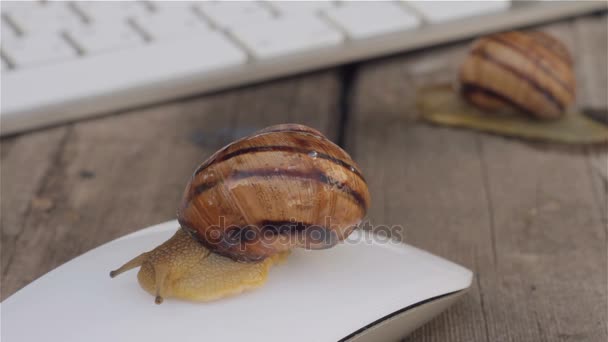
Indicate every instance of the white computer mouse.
{"type": "Point", "coordinates": [366, 289]}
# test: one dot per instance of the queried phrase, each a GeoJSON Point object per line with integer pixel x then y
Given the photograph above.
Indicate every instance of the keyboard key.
{"type": "Point", "coordinates": [18, 5]}
{"type": "Point", "coordinates": [173, 23]}
{"type": "Point", "coordinates": [109, 37]}
{"type": "Point", "coordinates": [229, 14]}
{"type": "Point", "coordinates": [112, 11]}
{"type": "Point", "coordinates": [160, 6]}
{"type": "Point", "coordinates": [45, 18]}
{"type": "Point", "coordinates": [287, 35]}
{"type": "Point", "coordinates": [32, 97]}
{"type": "Point", "coordinates": [367, 19]}
{"type": "Point", "coordinates": [3, 65]}
{"type": "Point", "coordinates": [300, 7]}
{"type": "Point", "coordinates": [440, 11]}
{"type": "Point", "coordinates": [37, 49]}
{"type": "Point", "coordinates": [6, 32]}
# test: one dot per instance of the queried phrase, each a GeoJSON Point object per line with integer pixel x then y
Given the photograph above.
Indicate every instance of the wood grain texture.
{"type": "Point", "coordinates": [69, 189]}
{"type": "Point", "coordinates": [25, 163]}
{"type": "Point", "coordinates": [526, 218]}
{"type": "Point", "coordinates": [593, 68]}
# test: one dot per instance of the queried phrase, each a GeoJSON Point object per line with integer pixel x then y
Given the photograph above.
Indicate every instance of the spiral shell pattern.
{"type": "Point", "coordinates": [282, 187]}
{"type": "Point", "coordinates": [529, 71]}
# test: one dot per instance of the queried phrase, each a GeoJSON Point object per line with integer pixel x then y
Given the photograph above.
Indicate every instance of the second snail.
{"type": "Point", "coordinates": [519, 84]}
{"type": "Point", "coordinates": [247, 206]}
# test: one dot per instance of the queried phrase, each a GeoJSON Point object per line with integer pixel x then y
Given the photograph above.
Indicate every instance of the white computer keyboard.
{"type": "Point", "coordinates": [63, 61]}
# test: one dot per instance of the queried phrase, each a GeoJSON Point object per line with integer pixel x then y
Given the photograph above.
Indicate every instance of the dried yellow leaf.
{"type": "Point", "coordinates": [443, 105]}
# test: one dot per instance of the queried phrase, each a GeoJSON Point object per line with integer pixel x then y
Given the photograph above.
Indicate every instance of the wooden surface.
{"type": "Point", "coordinates": [529, 219]}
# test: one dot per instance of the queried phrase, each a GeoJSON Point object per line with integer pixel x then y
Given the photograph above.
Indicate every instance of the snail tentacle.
{"type": "Point", "coordinates": [135, 262]}
{"type": "Point", "coordinates": [161, 272]}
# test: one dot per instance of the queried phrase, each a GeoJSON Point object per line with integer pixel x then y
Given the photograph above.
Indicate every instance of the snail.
{"type": "Point", "coordinates": [247, 206]}
{"type": "Point", "coordinates": [506, 76]}
{"type": "Point", "coordinates": [530, 71]}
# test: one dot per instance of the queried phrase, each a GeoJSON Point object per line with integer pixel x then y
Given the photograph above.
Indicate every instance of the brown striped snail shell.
{"type": "Point", "coordinates": [281, 187]}
{"type": "Point", "coordinates": [529, 71]}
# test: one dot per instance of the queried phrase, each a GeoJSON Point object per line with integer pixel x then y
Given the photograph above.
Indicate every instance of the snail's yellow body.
{"type": "Point", "coordinates": [182, 268]}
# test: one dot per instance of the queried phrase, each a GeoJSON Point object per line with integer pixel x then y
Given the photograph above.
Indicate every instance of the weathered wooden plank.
{"type": "Point", "coordinates": [592, 74]}
{"type": "Point", "coordinates": [117, 174]}
{"type": "Point", "coordinates": [549, 282]}
{"type": "Point", "coordinates": [293, 101]}
{"type": "Point", "coordinates": [25, 162]}
{"type": "Point", "coordinates": [561, 238]}
{"type": "Point", "coordinates": [522, 216]}
{"type": "Point", "coordinates": [547, 235]}
{"type": "Point", "coordinates": [592, 67]}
